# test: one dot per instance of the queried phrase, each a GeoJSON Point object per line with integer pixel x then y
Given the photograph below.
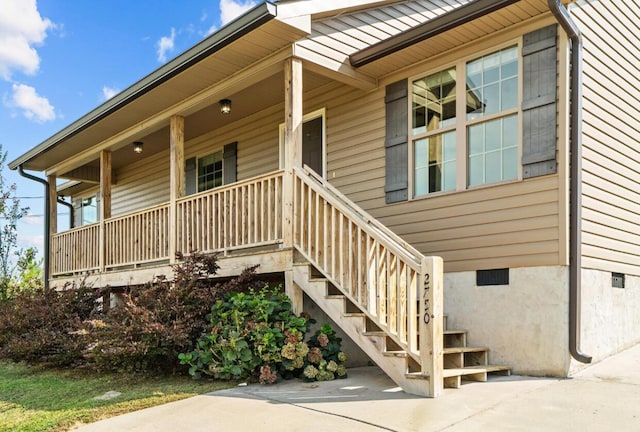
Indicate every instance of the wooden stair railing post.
{"type": "Point", "coordinates": [292, 158]}
{"type": "Point", "coordinates": [431, 322]}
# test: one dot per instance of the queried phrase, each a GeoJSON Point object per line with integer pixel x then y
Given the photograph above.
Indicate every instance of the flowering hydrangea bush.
{"type": "Point", "coordinates": [256, 334]}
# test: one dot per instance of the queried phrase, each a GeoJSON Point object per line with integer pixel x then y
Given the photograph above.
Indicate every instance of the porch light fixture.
{"type": "Point", "coordinates": [137, 147]}
{"type": "Point", "coordinates": [225, 106]}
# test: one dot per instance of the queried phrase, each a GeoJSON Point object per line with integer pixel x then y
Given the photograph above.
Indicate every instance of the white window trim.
{"type": "Point", "coordinates": [322, 112]}
{"type": "Point", "coordinates": [462, 123]}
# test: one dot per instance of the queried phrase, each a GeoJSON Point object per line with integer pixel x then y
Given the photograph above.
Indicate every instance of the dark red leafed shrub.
{"type": "Point", "coordinates": [45, 326]}
{"type": "Point", "coordinates": [156, 322]}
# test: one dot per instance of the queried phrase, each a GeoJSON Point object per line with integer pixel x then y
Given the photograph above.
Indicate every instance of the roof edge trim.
{"type": "Point", "coordinates": [447, 21]}
{"type": "Point", "coordinates": [231, 32]}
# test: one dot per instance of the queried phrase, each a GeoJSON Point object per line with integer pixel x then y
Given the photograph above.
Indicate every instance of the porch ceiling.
{"type": "Point", "coordinates": [210, 63]}
{"type": "Point", "coordinates": [250, 100]}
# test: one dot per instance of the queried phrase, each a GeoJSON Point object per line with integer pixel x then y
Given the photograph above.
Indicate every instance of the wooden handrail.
{"type": "Point", "coordinates": [369, 223]}
{"type": "Point", "coordinates": [366, 217]}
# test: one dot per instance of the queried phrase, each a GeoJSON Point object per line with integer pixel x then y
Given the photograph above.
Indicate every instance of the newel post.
{"type": "Point", "coordinates": [432, 322]}
{"type": "Point", "coordinates": [292, 158]}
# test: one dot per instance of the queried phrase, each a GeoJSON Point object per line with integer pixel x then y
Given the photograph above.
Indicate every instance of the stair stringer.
{"type": "Point", "coordinates": [354, 325]}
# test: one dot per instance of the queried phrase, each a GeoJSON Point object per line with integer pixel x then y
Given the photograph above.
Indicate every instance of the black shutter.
{"type": "Point", "coordinates": [539, 139]}
{"type": "Point", "coordinates": [230, 163]}
{"type": "Point", "coordinates": [190, 176]}
{"type": "Point", "coordinates": [396, 143]}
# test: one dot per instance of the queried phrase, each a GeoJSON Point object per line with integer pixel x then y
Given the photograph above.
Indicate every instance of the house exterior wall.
{"type": "Point", "coordinates": [610, 321]}
{"type": "Point", "coordinates": [524, 324]}
{"type": "Point", "coordinates": [515, 224]}
{"type": "Point", "coordinates": [610, 175]}
{"type": "Point", "coordinates": [611, 127]}
{"type": "Point", "coordinates": [146, 183]}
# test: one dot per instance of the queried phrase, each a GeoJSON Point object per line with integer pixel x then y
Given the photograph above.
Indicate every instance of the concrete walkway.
{"type": "Point", "coordinates": [604, 397]}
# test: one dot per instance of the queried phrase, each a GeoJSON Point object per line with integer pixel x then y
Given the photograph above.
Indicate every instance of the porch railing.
{"type": "Point", "coordinates": [75, 250]}
{"type": "Point", "coordinates": [245, 214]}
{"type": "Point", "coordinates": [137, 238]}
{"type": "Point", "coordinates": [242, 215]}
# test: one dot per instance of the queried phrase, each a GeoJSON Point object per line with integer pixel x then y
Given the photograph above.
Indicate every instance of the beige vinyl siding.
{"type": "Point", "coordinates": [611, 127]}
{"type": "Point", "coordinates": [146, 183]}
{"type": "Point", "coordinates": [142, 184]}
{"type": "Point", "coordinates": [508, 225]}
{"type": "Point", "coordinates": [257, 138]}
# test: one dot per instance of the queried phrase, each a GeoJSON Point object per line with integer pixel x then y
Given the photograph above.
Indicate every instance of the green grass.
{"type": "Point", "coordinates": [32, 399]}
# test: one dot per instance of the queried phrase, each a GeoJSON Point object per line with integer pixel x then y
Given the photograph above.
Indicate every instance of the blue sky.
{"type": "Point", "coordinates": [59, 59]}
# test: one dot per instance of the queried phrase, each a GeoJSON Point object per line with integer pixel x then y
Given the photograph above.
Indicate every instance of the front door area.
{"type": "Point", "coordinates": [313, 142]}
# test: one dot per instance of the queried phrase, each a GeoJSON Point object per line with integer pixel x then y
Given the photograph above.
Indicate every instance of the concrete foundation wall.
{"type": "Point", "coordinates": [610, 316]}
{"type": "Point", "coordinates": [524, 324]}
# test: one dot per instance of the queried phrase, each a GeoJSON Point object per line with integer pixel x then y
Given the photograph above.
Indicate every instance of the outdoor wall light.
{"type": "Point", "coordinates": [225, 106]}
{"type": "Point", "coordinates": [137, 147]}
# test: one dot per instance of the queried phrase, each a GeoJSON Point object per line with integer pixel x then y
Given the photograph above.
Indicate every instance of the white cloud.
{"type": "Point", "coordinates": [33, 106]}
{"type": "Point", "coordinates": [37, 241]}
{"type": "Point", "coordinates": [33, 220]}
{"type": "Point", "coordinates": [109, 92]}
{"type": "Point", "coordinates": [232, 9]}
{"type": "Point", "coordinates": [166, 44]}
{"type": "Point", "coordinates": [21, 27]}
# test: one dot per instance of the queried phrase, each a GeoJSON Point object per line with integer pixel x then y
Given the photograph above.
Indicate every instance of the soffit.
{"type": "Point", "coordinates": [340, 36]}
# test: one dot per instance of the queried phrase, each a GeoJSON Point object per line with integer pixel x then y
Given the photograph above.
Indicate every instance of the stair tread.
{"type": "Point", "coordinates": [454, 331]}
{"type": "Point", "coordinates": [375, 333]}
{"type": "Point", "coordinates": [470, 370]}
{"type": "Point", "coordinates": [416, 375]}
{"type": "Point", "coordinates": [395, 353]}
{"type": "Point", "coordinates": [317, 279]}
{"type": "Point", "coordinates": [335, 296]}
{"type": "Point", "coordinates": [453, 350]}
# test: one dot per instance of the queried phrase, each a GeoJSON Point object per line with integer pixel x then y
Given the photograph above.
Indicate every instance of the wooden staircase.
{"type": "Point", "coordinates": [460, 361]}
{"type": "Point", "coordinates": [384, 293]}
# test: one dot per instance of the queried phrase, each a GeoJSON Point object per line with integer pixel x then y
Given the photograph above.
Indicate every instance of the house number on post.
{"type": "Point", "coordinates": [425, 297]}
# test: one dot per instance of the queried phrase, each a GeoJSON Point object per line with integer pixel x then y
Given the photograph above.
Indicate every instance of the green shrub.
{"type": "Point", "coordinates": [325, 360]}
{"type": "Point", "coordinates": [247, 331]}
{"type": "Point", "coordinates": [256, 334]}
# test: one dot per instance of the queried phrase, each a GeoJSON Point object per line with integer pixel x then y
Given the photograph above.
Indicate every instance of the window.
{"type": "Point", "coordinates": [471, 129]}
{"type": "Point", "coordinates": [85, 210]}
{"type": "Point", "coordinates": [492, 145]}
{"type": "Point", "coordinates": [89, 210]}
{"type": "Point", "coordinates": [434, 121]}
{"type": "Point", "coordinates": [210, 171]}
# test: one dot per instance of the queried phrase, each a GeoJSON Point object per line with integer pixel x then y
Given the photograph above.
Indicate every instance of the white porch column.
{"type": "Point", "coordinates": [176, 178]}
{"type": "Point", "coordinates": [105, 201]}
{"type": "Point", "coordinates": [292, 158]}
